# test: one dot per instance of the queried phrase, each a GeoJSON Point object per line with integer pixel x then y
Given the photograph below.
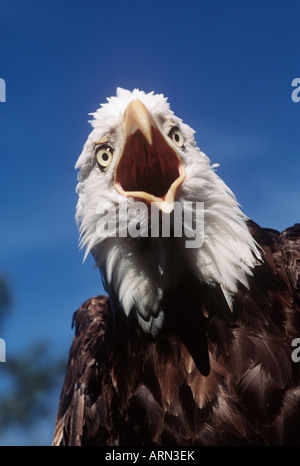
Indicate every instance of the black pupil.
{"type": "Point", "coordinates": [177, 138]}
{"type": "Point", "coordinates": [105, 156]}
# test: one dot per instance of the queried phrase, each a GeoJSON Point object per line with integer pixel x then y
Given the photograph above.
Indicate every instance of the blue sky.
{"type": "Point", "coordinates": [227, 69]}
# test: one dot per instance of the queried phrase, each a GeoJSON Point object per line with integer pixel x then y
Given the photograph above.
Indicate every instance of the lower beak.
{"type": "Point", "coordinates": [148, 168]}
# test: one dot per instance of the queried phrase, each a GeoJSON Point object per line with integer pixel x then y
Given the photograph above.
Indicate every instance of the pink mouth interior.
{"type": "Point", "coordinates": [148, 168]}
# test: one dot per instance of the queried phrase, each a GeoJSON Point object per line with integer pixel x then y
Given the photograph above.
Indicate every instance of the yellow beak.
{"type": "Point", "coordinates": [149, 168]}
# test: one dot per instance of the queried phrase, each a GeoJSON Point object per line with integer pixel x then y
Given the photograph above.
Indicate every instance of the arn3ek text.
{"type": "Point", "coordinates": [151, 455]}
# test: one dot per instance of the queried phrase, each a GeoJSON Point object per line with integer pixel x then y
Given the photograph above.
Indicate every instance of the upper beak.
{"type": "Point", "coordinates": [148, 168]}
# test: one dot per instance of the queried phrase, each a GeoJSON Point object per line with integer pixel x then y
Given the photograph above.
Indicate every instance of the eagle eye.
{"type": "Point", "coordinates": [177, 137]}
{"type": "Point", "coordinates": [104, 156]}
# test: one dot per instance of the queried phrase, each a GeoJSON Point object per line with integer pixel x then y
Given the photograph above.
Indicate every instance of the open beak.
{"type": "Point", "coordinates": [148, 168]}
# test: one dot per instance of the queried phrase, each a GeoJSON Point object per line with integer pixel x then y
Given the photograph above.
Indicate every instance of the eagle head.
{"type": "Point", "coordinates": [151, 206]}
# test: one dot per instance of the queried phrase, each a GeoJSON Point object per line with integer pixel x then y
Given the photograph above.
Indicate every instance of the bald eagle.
{"type": "Point", "coordinates": [193, 344]}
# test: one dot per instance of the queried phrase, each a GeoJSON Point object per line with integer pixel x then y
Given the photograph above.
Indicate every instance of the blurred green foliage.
{"type": "Point", "coordinates": [30, 381]}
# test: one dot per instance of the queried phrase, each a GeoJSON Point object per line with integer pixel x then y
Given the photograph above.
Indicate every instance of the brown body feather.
{"type": "Point", "coordinates": [124, 389]}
